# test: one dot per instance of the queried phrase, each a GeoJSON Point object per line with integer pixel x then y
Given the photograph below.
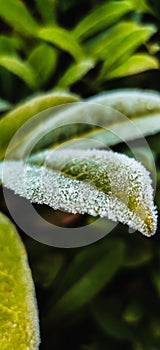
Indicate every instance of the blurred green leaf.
{"type": "Point", "coordinates": [138, 346]}
{"type": "Point", "coordinates": [136, 64]}
{"type": "Point", "coordinates": [153, 48]}
{"type": "Point", "coordinates": [47, 10]}
{"type": "Point", "coordinates": [16, 15]}
{"type": "Point", "coordinates": [133, 312]}
{"type": "Point", "coordinates": [11, 122]}
{"type": "Point", "coordinates": [82, 263]}
{"type": "Point", "coordinates": [155, 326]}
{"type": "Point", "coordinates": [155, 6]}
{"type": "Point", "coordinates": [141, 6]}
{"type": "Point", "coordinates": [139, 252]}
{"type": "Point", "coordinates": [20, 68]}
{"type": "Point", "coordinates": [156, 281]}
{"type": "Point", "coordinates": [76, 72]}
{"type": "Point", "coordinates": [18, 309]}
{"type": "Point", "coordinates": [62, 39]}
{"type": "Point", "coordinates": [10, 44]}
{"type": "Point", "coordinates": [91, 283]}
{"type": "Point", "coordinates": [47, 268]}
{"type": "Point", "coordinates": [111, 323]}
{"type": "Point", "coordinates": [128, 36]}
{"type": "Point", "coordinates": [43, 60]}
{"type": "Point", "coordinates": [101, 18]}
{"type": "Point", "coordinates": [4, 105]}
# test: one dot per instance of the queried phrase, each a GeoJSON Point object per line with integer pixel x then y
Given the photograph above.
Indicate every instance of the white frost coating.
{"type": "Point", "coordinates": [130, 101]}
{"type": "Point", "coordinates": [129, 182]}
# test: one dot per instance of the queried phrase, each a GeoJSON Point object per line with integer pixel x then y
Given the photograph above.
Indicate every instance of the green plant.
{"type": "Point", "coordinates": [34, 49]}
{"type": "Point", "coordinates": [46, 64]}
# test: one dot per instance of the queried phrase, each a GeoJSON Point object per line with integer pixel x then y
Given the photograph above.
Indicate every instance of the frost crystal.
{"type": "Point", "coordinates": [96, 182]}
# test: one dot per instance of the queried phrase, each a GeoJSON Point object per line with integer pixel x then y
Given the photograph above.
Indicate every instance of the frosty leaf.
{"type": "Point", "coordinates": [18, 309]}
{"type": "Point", "coordinates": [96, 182]}
{"type": "Point", "coordinates": [140, 107]}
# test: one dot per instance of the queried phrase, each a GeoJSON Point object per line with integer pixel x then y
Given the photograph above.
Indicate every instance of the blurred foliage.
{"type": "Point", "coordinates": [107, 295]}
{"type": "Point", "coordinates": [50, 44]}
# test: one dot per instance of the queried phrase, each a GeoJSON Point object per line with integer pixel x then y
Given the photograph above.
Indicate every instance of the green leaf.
{"type": "Point", "coordinates": [101, 18]}
{"type": "Point", "coordinates": [155, 277]}
{"type": "Point", "coordinates": [83, 262]}
{"type": "Point", "coordinates": [18, 309]}
{"type": "Point", "coordinates": [109, 322]}
{"type": "Point", "coordinates": [47, 10]}
{"type": "Point", "coordinates": [136, 64]}
{"type": "Point", "coordinates": [11, 122]}
{"type": "Point", "coordinates": [155, 326]}
{"type": "Point", "coordinates": [90, 283]}
{"type": "Point", "coordinates": [141, 6]}
{"type": "Point", "coordinates": [22, 69]}
{"type": "Point", "coordinates": [76, 72]}
{"type": "Point", "coordinates": [127, 37]}
{"type": "Point", "coordinates": [63, 39]}
{"type": "Point", "coordinates": [9, 45]}
{"type": "Point", "coordinates": [139, 253]}
{"type": "Point", "coordinates": [43, 60]}
{"type": "Point", "coordinates": [16, 15]}
{"type": "Point", "coordinates": [46, 268]}
{"type": "Point", "coordinates": [133, 312]}
{"type": "Point", "coordinates": [95, 182]}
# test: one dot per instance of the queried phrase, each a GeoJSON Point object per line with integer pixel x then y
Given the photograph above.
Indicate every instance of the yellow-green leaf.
{"type": "Point", "coordinates": [136, 64]}
{"type": "Point", "coordinates": [141, 6]}
{"type": "Point", "coordinates": [62, 39]}
{"type": "Point", "coordinates": [127, 37]}
{"type": "Point", "coordinates": [9, 44]}
{"type": "Point", "coordinates": [17, 15]}
{"type": "Point", "coordinates": [19, 327]}
{"type": "Point", "coordinates": [12, 121]}
{"type": "Point", "coordinates": [101, 18]}
{"type": "Point", "coordinates": [75, 72]}
{"type": "Point", "coordinates": [47, 10]}
{"type": "Point", "coordinates": [43, 60]}
{"type": "Point", "coordinates": [20, 68]}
